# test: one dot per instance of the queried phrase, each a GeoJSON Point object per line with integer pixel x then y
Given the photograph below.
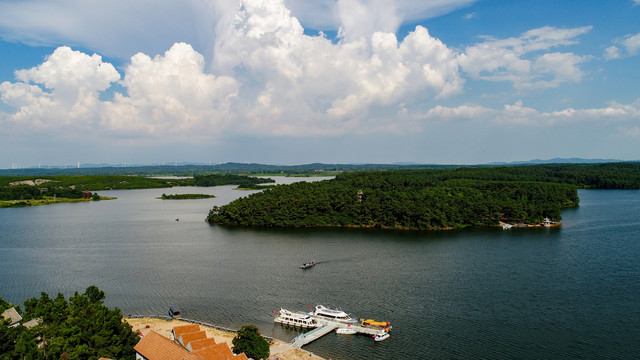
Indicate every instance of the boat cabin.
{"type": "Point", "coordinates": [372, 324]}
{"type": "Point", "coordinates": [174, 312]}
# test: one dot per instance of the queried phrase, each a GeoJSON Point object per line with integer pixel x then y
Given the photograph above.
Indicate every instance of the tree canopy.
{"type": "Point", "coordinates": [80, 328]}
{"type": "Point", "coordinates": [251, 343]}
{"type": "Point", "coordinates": [405, 199]}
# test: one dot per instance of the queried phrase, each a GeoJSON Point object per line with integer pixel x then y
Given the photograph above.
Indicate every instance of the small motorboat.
{"type": "Point", "coordinates": [308, 264]}
{"type": "Point", "coordinates": [174, 312]}
{"type": "Point", "coordinates": [381, 336]}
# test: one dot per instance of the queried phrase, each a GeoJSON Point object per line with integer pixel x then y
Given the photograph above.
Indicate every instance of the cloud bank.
{"type": "Point", "coordinates": [266, 77]}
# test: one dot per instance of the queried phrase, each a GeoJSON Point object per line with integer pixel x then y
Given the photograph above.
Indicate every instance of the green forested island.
{"type": "Point", "coordinates": [428, 199]}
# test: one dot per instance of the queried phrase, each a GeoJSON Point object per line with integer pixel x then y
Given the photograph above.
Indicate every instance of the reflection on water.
{"type": "Point", "coordinates": [481, 293]}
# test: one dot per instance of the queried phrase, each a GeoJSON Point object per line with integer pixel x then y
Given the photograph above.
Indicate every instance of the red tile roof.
{"type": "Point", "coordinates": [217, 352]}
{"type": "Point", "coordinates": [200, 344]}
{"type": "Point", "coordinates": [186, 338]}
{"type": "Point", "coordinates": [179, 330]}
{"type": "Point", "coordinates": [157, 347]}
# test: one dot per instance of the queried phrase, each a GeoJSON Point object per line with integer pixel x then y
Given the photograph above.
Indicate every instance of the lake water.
{"type": "Point", "coordinates": [571, 292]}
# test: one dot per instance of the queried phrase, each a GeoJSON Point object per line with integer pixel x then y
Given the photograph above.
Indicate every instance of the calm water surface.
{"type": "Point", "coordinates": [572, 292]}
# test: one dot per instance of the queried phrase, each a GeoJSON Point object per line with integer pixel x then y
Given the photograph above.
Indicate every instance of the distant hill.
{"type": "Point", "coordinates": [226, 168]}
{"type": "Point", "coordinates": [560, 161]}
{"type": "Point", "coordinates": [192, 169]}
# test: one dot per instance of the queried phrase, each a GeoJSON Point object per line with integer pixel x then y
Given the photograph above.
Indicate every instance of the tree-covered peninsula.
{"type": "Point", "coordinates": [429, 199]}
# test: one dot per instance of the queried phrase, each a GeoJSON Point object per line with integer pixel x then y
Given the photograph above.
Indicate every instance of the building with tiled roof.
{"type": "Point", "coordinates": [186, 338]}
{"type": "Point", "coordinates": [157, 347]}
{"type": "Point", "coordinates": [199, 344]}
{"type": "Point", "coordinates": [216, 352]}
{"type": "Point", "coordinates": [179, 330]}
{"type": "Point", "coordinates": [190, 343]}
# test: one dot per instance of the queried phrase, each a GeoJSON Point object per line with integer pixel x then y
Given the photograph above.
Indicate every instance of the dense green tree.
{"type": "Point", "coordinates": [251, 343]}
{"type": "Point", "coordinates": [80, 328]}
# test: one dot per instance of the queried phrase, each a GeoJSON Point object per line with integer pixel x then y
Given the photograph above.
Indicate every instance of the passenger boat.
{"type": "Point", "coordinates": [324, 312]}
{"type": "Point", "coordinates": [346, 331]}
{"type": "Point", "coordinates": [286, 317]}
{"type": "Point", "coordinates": [308, 264]}
{"type": "Point", "coordinates": [381, 336]}
{"type": "Point", "coordinates": [372, 324]}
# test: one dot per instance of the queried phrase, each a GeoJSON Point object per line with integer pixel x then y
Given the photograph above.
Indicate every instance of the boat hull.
{"type": "Point", "coordinates": [346, 331]}
{"type": "Point", "coordinates": [381, 337]}
{"type": "Point", "coordinates": [289, 318]}
{"type": "Point", "coordinates": [294, 323]}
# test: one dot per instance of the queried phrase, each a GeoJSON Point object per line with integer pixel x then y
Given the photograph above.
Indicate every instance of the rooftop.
{"type": "Point", "coordinates": [12, 315]}
{"type": "Point", "coordinates": [157, 347]}
{"type": "Point", "coordinates": [196, 346]}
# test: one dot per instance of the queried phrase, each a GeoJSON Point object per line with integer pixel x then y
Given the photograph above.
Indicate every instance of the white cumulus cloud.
{"type": "Point", "coordinates": [267, 77]}
{"type": "Point", "coordinates": [629, 46]}
{"type": "Point", "coordinates": [522, 60]}
{"type": "Point", "coordinates": [171, 93]}
{"type": "Point", "coordinates": [632, 44]}
{"type": "Point", "coordinates": [612, 52]}
{"type": "Point", "coordinates": [66, 90]}
{"type": "Point", "coordinates": [301, 83]}
{"type": "Point", "coordinates": [520, 114]}
{"type": "Point", "coordinates": [121, 28]}
{"type": "Point", "coordinates": [331, 14]}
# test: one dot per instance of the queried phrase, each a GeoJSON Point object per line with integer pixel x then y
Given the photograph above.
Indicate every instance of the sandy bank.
{"type": "Point", "coordinates": [279, 350]}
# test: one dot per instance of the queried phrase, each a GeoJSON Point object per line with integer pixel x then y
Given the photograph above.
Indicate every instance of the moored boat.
{"type": "Point", "coordinates": [346, 331]}
{"type": "Point", "coordinates": [324, 312]}
{"type": "Point", "coordinates": [372, 324]}
{"type": "Point", "coordinates": [174, 312]}
{"type": "Point", "coordinates": [381, 336]}
{"type": "Point", "coordinates": [286, 317]}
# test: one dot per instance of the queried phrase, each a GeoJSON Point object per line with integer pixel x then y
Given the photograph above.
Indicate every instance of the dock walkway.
{"type": "Point", "coordinates": [327, 326]}
{"type": "Point", "coordinates": [305, 338]}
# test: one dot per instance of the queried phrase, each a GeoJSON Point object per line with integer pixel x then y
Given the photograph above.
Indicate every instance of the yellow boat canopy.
{"type": "Point", "coordinates": [374, 323]}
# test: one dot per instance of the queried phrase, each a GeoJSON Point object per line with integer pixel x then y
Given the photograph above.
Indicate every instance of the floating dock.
{"type": "Point", "coordinates": [327, 326]}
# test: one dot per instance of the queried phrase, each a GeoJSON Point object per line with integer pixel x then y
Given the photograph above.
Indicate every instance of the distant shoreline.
{"type": "Point", "coordinates": [31, 202]}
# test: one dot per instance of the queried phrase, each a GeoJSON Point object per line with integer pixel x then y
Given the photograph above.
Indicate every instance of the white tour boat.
{"type": "Point", "coordinates": [326, 313]}
{"type": "Point", "coordinates": [381, 336]}
{"type": "Point", "coordinates": [286, 317]}
{"type": "Point", "coordinates": [346, 331]}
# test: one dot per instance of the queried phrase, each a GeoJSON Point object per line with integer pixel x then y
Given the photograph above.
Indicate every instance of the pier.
{"type": "Point", "coordinates": [327, 326]}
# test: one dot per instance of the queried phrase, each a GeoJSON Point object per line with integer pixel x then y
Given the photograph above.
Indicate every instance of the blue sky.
{"type": "Point", "coordinates": [333, 81]}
